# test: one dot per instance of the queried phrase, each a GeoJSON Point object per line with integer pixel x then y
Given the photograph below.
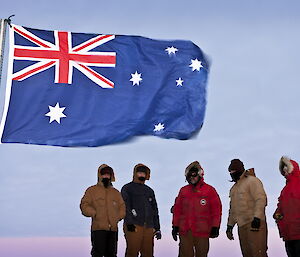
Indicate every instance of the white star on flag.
{"type": "Point", "coordinates": [136, 78]}
{"type": "Point", "coordinates": [196, 65]}
{"type": "Point", "coordinates": [56, 113]}
{"type": "Point", "coordinates": [179, 82]}
{"type": "Point", "coordinates": [158, 127]}
{"type": "Point", "coordinates": [171, 50]}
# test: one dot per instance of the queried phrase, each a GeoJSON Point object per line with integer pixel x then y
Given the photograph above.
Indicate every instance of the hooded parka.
{"type": "Point", "coordinates": [197, 208]}
{"type": "Point", "coordinates": [104, 205]}
{"type": "Point", "coordinates": [141, 205]}
{"type": "Point", "coordinates": [247, 200]}
{"type": "Point", "coordinates": [289, 202]}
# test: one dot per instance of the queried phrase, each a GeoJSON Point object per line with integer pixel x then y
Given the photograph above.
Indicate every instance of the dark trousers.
{"type": "Point", "coordinates": [292, 248]}
{"type": "Point", "coordinates": [104, 243]}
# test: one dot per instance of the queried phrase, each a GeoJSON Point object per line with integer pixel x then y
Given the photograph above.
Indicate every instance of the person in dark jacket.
{"type": "Point", "coordinates": [141, 222]}
{"type": "Point", "coordinates": [196, 214]}
{"type": "Point", "coordinates": [105, 205]}
{"type": "Point", "coordinates": [287, 214]}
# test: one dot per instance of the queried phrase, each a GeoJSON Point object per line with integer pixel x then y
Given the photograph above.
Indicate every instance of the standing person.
{"type": "Point", "coordinates": [248, 201]}
{"type": "Point", "coordinates": [104, 204]}
{"type": "Point", "coordinates": [196, 214]}
{"type": "Point", "coordinates": [141, 222]}
{"type": "Point", "coordinates": [287, 214]}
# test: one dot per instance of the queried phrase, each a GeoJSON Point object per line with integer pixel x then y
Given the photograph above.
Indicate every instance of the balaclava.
{"type": "Point", "coordinates": [106, 181]}
{"type": "Point", "coordinates": [144, 170]}
{"type": "Point", "coordinates": [193, 173]}
{"type": "Point", "coordinates": [236, 169]}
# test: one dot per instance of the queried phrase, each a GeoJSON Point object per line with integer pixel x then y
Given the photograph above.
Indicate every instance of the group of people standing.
{"type": "Point", "coordinates": [196, 213]}
{"type": "Point", "coordinates": [136, 204]}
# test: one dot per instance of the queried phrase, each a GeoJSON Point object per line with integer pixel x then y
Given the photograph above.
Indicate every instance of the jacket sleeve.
{"type": "Point", "coordinates": [156, 215]}
{"type": "Point", "coordinates": [231, 219]}
{"type": "Point", "coordinates": [177, 209]}
{"type": "Point", "coordinates": [129, 219]}
{"type": "Point", "coordinates": [122, 208]}
{"type": "Point", "coordinates": [279, 222]}
{"type": "Point", "coordinates": [216, 208]}
{"type": "Point", "coordinates": [86, 205]}
{"type": "Point", "coordinates": [260, 198]}
{"type": "Point", "coordinates": [278, 209]}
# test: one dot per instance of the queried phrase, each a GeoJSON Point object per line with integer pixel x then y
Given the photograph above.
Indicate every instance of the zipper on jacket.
{"type": "Point", "coordinates": [108, 221]}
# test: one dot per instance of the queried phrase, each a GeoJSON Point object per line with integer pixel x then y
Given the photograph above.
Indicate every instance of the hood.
{"type": "Point", "coordinates": [246, 173]}
{"type": "Point", "coordinates": [250, 172]}
{"type": "Point", "coordinates": [100, 176]}
{"type": "Point", "coordinates": [292, 167]}
{"type": "Point", "coordinates": [135, 179]}
{"type": "Point", "coordinates": [197, 165]}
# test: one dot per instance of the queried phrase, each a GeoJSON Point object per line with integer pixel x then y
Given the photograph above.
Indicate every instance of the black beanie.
{"type": "Point", "coordinates": [142, 169]}
{"type": "Point", "coordinates": [236, 165]}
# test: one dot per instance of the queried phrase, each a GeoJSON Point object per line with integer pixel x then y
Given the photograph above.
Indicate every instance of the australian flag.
{"type": "Point", "coordinates": [77, 89]}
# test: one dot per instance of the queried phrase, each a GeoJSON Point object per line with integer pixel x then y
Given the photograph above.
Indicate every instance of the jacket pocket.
{"type": "Point", "coordinates": [99, 201]}
{"type": "Point", "coordinates": [294, 229]}
{"type": "Point", "coordinates": [115, 209]}
{"type": "Point", "coordinates": [242, 201]}
{"type": "Point", "coordinates": [182, 223]}
{"type": "Point", "coordinates": [100, 207]}
{"type": "Point", "coordinates": [202, 225]}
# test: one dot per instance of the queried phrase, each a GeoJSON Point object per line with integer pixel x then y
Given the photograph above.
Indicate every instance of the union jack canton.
{"type": "Point", "coordinates": [64, 57]}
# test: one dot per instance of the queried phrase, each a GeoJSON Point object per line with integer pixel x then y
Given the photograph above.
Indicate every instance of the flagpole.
{"type": "Point", "coordinates": [3, 24]}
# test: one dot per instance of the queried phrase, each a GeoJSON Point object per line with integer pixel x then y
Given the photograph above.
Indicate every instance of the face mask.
{"type": "Point", "coordinates": [236, 175]}
{"type": "Point", "coordinates": [141, 179]}
{"type": "Point", "coordinates": [284, 171]}
{"type": "Point", "coordinates": [105, 182]}
{"type": "Point", "coordinates": [193, 180]}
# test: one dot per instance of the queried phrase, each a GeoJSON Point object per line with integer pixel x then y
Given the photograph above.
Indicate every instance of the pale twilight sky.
{"type": "Point", "coordinates": [252, 114]}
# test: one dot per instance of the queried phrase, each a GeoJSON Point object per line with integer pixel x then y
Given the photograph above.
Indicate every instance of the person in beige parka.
{"type": "Point", "coordinates": [248, 201]}
{"type": "Point", "coordinates": [105, 205]}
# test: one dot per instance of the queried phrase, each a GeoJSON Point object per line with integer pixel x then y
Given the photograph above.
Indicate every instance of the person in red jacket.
{"type": "Point", "coordinates": [287, 214]}
{"type": "Point", "coordinates": [196, 214]}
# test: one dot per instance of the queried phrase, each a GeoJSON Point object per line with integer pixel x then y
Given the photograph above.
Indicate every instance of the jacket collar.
{"type": "Point", "coordinates": [244, 175]}
{"type": "Point", "coordinates": [100, 183]}
{"type": "Point", "coordinates": [199, 184]}
{"type": "Point", "coordinates": [136, 180]}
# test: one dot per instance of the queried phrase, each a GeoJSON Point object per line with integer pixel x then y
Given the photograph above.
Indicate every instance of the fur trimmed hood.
{"type": "Point", "coordinates": [197, 165]}
{"type": "Point", "coordinates": [141, 165]}
{"type": "Point", "coordinates": [100, 176]}
{"type": "Point", "coordinates": [288, 167]}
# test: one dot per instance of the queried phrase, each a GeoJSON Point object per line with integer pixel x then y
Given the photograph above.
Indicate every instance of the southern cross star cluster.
{"type": "Point", "coordinates": [56, 112]}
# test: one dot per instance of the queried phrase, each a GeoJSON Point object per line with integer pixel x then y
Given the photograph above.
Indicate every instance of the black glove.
{"type": "Point", "coordinates": [157, 234]}
{"type": "Point", "coordinates": [131, 227]}
{"type": "Point", "coordinates": [172, 209]}
{"type": "Point", "coordinates": [175, 231]}
{"type": "Point", "coordinates": [229, 233]}
{"type": "Point", "coordinates": [214, 232]}
{"type": "Point", "coordinates": [277, 216]}
{"type": "Point", "coordinates": [255, 224]}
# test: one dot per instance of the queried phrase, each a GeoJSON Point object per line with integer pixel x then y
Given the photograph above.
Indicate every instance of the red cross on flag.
{"type": "Point", "coordinates": [64, 57]}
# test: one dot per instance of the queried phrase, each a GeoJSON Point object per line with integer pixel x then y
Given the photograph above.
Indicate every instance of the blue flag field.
{"type": "Point", "coordinates": [77, 89]}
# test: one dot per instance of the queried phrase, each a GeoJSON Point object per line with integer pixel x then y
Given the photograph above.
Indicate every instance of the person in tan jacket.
{"type": "Point", "coordinates": [105, 205]}
{"type": "Point", "coordinates": [248, 201]}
